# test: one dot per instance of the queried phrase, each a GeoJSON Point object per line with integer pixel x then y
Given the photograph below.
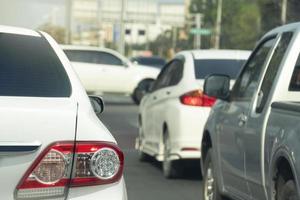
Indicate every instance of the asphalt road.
{"type": "Point", "coordinates": [145, 181]}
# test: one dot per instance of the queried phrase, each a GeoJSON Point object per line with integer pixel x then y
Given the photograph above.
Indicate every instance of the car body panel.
{"type": "Point", "coordinates": [269, 135]}
{"type": "Point", "coordinates": [102, 78]}
{"type": "Point", "coordinates": [40, 121]}
{"type": "Point", "coordinates": [162, 109]}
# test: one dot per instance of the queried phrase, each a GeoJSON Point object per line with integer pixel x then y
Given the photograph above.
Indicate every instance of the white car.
{"type": "Point", "coordinates": [106, 71]}
{"type": "Point", "coordinates": [174, 112]}
{"type": "Point", "coordinates": [52, 144]}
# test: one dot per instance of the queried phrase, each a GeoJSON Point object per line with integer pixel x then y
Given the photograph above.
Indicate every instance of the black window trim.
{"type": "Point", "coordinates": [166, 67]}
{"type": "Point", "coordinates": [255, 105]}
{"type": "Point", "coordinates": [256, 49]}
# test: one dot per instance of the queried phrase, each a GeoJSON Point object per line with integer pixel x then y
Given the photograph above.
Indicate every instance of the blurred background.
{"type": "Point", "coordinates": [152, 27]}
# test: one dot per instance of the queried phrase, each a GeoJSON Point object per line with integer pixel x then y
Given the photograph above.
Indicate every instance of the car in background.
{"type": "Point", "coordinates": [153, 61]}
{"type": "Point", "coordinates": [173, 113]}
{"type": "Point", "coordinates": [52, 144]}
{"type": "Point", "coordinates": [104, 70]}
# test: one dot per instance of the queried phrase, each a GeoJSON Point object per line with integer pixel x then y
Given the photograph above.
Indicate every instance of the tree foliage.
{"type": "Point", "coordinates": [243, 21]}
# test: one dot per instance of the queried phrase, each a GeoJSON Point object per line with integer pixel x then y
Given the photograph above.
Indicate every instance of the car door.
{"type": "Point", "coordinates": [115, 75]}
{"type": "Point", "coordinates": [167, 97]}
{"type": "Point", "coordinates": [86, 66]}
{"type": "Point", "coordinates": [233, 117]}
{"type": "Point", "coordinates": [152, 106]}
{"type": "Point", "coordinates": [254, 128]}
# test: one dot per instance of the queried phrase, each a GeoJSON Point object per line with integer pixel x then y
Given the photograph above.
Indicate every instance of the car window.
{"type": "Point", "coordinates": [295, 80]}
{"type": "Point", "coordinates": [94, 57]}
{"type": "Point", "coordinates": [247, 83]}
{"type": "Point", "coordinates": [170, 75]}
{"type": "Point", "coordinates": [176, 72]}
{"type": "Point", "coordinates": [162, 78]}
{"type": "Point", "coordinates": [151, 61]}
{"type": "Point", "coordinates": [273, 70]}
{"type": "Point", "coordinates": [30, 67]}
{"type": "Point", "coordinates": [205, 67]}
{"type": "Point", "coordinates": [109, 59]}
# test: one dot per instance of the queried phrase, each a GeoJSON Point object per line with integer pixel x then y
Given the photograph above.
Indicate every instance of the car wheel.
{"type": "Point", "coordinates": [210, 187]}
{"type": "Point", "coordinates": [286, 190]}
{"type": "Point", "coordinates": [135, 96]}
{"type": "Point", "coordinates": [170, 169]}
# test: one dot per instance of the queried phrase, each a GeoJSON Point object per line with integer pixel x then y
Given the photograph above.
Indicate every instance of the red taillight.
{"type": "Point", "coordinates": [63, 165]}
{"type": "Point", "coordinates": [197, 98]}
{"type": "Point", "coordinates": [104, 166]}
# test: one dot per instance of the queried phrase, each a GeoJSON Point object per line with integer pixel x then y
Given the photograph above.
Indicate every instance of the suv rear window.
{"type": "Point", "coordinates": [205, 67]}
{"type": "Point", "coordinates": [29, 67]}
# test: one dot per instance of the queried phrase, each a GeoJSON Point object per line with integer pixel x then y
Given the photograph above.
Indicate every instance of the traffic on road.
{"type": "Point", "coordinates": [161, 99]}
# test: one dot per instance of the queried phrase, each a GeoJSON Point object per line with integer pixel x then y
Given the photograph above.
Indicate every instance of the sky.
{"type": "Point", "coordinates": [33, 13]}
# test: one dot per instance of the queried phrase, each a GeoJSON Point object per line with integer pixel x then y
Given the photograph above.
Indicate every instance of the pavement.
{"type": "Point", "coordinates": [145, 180]}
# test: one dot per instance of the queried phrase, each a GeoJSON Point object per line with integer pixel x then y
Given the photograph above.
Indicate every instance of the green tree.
{"type": "Point", "coordinates": [241, 24]}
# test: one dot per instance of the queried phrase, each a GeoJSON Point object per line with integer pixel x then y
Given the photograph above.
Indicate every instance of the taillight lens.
{"type": "Point", "coordinates": [197, 98]}
{"type": "Point", "coordinates": [63, 165]}
{"type": "Point", "coordinates": [104, 166]}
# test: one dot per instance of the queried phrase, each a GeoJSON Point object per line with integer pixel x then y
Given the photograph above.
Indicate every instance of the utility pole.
{"type": "Point", "coordinates": [218, 24]}
{"type": "Point", "coordinates": [68, 16]}
{"type": "Point", "coordinates": [174, 37]}
{"type": "Point", "coordinates": [198, 23]}
{"type": "Point", "coordinates": [99, 22]}
{"type": "Point", "coordinates": [283, 11]}
{"type": "Point", "coordinates": [122, 29]}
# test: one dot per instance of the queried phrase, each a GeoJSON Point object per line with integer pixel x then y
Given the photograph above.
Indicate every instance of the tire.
{"type": "Point", "coordinates": [210, 186]}
{"type": "Point", "coordinates": [286, 190]}
{"type": "Point", "coordinates": [170, 167]}
{"type": "Point", "coordinates": [143, 157]}
{"type": "Point", "coordinates": [134, 97]}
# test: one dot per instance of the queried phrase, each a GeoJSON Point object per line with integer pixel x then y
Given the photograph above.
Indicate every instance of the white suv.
{"type": "Point", "coordinates": [106, 71]}
{"type": "Point", "coordinates": [52, 144]}
{"type": "Point", "coordinates": [173, 114]}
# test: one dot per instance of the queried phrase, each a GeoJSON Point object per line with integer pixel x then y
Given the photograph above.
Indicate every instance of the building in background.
{"type": "Point", "coordinates": [98, 22]}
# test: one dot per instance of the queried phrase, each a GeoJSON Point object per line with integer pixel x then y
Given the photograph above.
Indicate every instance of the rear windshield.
{"type": "Point", "coordinates": [205, 67]}
{"type": "Point", "coordinates": [30, 67]}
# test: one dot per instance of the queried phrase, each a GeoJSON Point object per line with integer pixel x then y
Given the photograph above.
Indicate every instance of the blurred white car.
{"type": "Point", "coordinates": [174, 112]}
{"type": "Point", "coordinates": [106, 71]}
{"type": "Point", "coordinates": [52, 145]}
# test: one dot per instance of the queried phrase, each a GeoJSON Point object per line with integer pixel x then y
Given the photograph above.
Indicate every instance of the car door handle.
{"type": "Point", "coordinates": [154, 98]}
{"type": "Point", "coordinates": [12, 148]}
{"type": "Point", "coordinates": [242, 119]}
{"type": "Point", "coordinates": [168, 92]}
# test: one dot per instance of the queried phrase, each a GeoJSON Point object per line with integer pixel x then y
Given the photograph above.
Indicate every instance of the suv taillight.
{"type": "Point", "coordinates": [197, 98]}
{"type": "Point", "coordinates": [63, 165]}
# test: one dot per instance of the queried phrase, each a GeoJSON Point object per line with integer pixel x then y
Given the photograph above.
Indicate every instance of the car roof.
{"type": "Point", "coordinates": [18, 31]}
{"type": "Point", "coordinates": [285, 28]}
{"type": "Point", "coordinates": [86, 48]}
{"type": "Point", "coordinates": [218, 54]}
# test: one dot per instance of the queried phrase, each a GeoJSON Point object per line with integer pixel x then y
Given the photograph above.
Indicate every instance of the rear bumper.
{"type": "Point", "coordinates": [116, 191]}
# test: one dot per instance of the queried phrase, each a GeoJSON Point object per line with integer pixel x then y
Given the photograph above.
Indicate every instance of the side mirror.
{"type": "Point", "coordinates": [126, 64]}
{"type": "Point", "coordinates": [217, 86]}
{"type": "Point", "coordinates": [97, 104]}
{"type": "Point", "coordinates": [142, 89]}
